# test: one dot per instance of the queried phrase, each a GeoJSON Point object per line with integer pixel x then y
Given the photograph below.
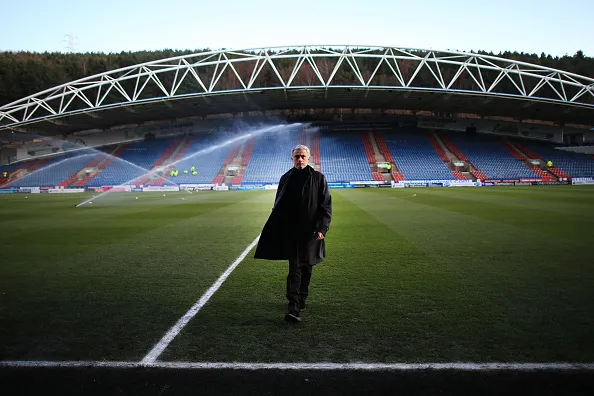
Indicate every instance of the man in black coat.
{"type": "Point", "coordinates": [297, 226]}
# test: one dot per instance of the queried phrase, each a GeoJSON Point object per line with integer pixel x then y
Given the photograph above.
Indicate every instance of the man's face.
{"type": "Point", "coordinates": [300, 158]}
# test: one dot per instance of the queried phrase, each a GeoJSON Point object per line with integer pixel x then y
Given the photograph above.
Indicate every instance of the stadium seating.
{"type": "Point", "coordinates": [383, 147]}
{"type": "Point", "coordinates": [572, 164]}
{"type": "Point", "coordinates": [301, 137]}
{"type": "Point", "coordinates": [207, 159]}
{"type": "Point", "coordinates": [55, 170]}
{"type": "Point", "coordinates": [315, 147]}
{"type": "Point", "coordinates": [14, 167]}
{"type": "Point", "coordinates": [136, 160]}
{"type": "Point", "coordinates": [368, 147]}
{"type": "Point", "coordinates": [415, 157]}
{"type": "Point", "coordinates": [269, 159]}
{"type": "Point", "coordinates": [443, 156]}
{"type": "Point", "coordinates": [343, 158]}
{"type": "Point", "coordinates": [490, 156]}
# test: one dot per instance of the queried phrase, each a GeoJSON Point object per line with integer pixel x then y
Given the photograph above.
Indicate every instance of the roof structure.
{"type": "Point", "coordinates": [306, 77]}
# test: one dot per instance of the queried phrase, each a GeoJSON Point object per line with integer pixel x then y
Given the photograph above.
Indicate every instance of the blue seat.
{"type": "Point", "coordinates": [415, 156]}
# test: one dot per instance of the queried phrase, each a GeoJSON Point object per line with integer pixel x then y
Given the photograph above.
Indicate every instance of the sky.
{"type": "Point", "coordinates": [553, 27]}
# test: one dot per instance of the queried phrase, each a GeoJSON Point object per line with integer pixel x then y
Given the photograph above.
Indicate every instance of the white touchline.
{"type": "Point", "coordinates": [455, 366]}
{"type": "Point", "coordinates": [152, 356]}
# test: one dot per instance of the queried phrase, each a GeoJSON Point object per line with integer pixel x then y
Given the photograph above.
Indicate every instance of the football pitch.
{"type": "Point", "coordinates": [500, 274]}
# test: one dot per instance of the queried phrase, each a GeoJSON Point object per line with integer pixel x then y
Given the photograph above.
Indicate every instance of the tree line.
{"type": "Point", "coordinates": [25, 73]}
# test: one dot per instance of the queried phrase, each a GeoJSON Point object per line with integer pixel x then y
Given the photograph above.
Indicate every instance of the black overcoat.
{"type": "Point", "coordinates": [315, 215]}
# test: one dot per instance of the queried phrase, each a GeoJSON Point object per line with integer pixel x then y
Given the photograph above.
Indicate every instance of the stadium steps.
{"type": "Point", "coordinates": [221, 176]}
{"type": "Point", "coordinates": [437, 147]}
{"type": "Point", "coordinates": [513, 150]}
{"type": "Point", "coordinates": [559, 173]}
{"type": "Point", "coordinates": [369, 151]}
{"type": "Point", "coordinates": [116, 151]}
{"type": "Point", "coordinates": [525, 150]}
{"type": "Point", "coordinates": [247, 151]}
{"type": "Point", "coordinates": [382, 147]}
{"type": "Point", "coordinates": [459, 175]}
{"type": "Point", "coordinates": [219, 179]}
{"type": "Point", "coordinates": [451, 157]}
{"type": "Point", "coordinates": [246, 155]}
{"type": "Point", "coordinates": [15, 174]}
{"type": "Point", "coordinates": [312, 140]}
{"type": "Point", "coordinates": [75, 180]}
{"type": "Point", "coordinates": [443, 155]}
{"type": "Point", "coordinates": [379, 156]}
{"type": "Point", "coordinates": [373, 155]}
{"type": "Point", "coordinates": [477, 173]}
{"type": "Point", "coordinates": [302, 138]}
{"type": "Point", "coordinates": [377, 176]}
{"type": "Point", "coordinates": [169, 151]}
{"type": "Point", "coordinates": [315, 148]}
{"type": "Point", "coordinates": [24, 170]}
{"type": "Point", "coordinates": [175, 156]}
{"type": "Point", "coordinates": [544, 175]}
{"type": "Point", "coordinates": [517, 154]}
{"type": "Point", "coordinates": [237, 180]}
{"type": "Point", "coordinates": [397, 175]}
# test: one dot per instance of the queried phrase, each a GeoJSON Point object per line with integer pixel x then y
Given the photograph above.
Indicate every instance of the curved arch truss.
{"type": "Point", "coordinates": [225, 71]}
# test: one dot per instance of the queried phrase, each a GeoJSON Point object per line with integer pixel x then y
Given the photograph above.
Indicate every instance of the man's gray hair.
{"type": "Point", "coordinates": [301, 147]}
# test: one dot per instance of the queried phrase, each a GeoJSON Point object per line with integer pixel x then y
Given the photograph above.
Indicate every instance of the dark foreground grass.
{"type": "Point", "coordinates": [501, 274]}
{"type": "Point", "coordinates": [163, 382]}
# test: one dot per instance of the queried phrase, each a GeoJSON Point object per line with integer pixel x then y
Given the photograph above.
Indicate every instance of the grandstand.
{"type": "Point", "coordinates": [490, 157]}
{"type": "Point", "coordinates": [206, 161]}
{"type": "Point", "coordinates": [573, 164]}
{"type": "Point", "coordinates": [414, 155]}
{"type": "Point", "coordinates": [270, 158]}
{"type": "Point", "coordinates": [135, 161]}
{"type": "Point", "coordinates": [343, 157]}
{"type": "Point", "coordinates": [53, 171]}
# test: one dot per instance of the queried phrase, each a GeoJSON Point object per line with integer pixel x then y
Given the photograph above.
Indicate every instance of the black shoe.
{"type": "Point", "coordinates": [302, 306]}
{"type": "Point", "coordinates": [292, 317]}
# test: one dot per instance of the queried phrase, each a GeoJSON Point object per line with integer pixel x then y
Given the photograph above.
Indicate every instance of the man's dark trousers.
{"type": "Point", "coordinates": [297, 283]}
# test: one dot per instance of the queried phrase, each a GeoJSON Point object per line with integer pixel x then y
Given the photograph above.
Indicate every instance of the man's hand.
{"type": "Point", "coordinates": [320, 236]}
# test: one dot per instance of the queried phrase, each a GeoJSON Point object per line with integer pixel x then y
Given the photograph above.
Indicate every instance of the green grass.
{"type": "Point", "coordinates": [465, 274]}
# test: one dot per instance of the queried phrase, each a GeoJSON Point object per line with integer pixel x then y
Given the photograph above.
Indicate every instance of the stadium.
{"type": "Point", "coordinates": [460, 245]}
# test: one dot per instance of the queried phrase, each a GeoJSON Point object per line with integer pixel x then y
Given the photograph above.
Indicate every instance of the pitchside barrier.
{"type": "Point", "coordinates": [582, 180]}
{"type": "Point", "coordinates": [66, 190]}
{"type": "Point", "coordinates": [159, 188]}
{"type": "Point", "coordinates": [523, 182]}
{"type": "Point", "coordinates": [435, 183]}
{"type": "Point", "coordinates": [357, 184]}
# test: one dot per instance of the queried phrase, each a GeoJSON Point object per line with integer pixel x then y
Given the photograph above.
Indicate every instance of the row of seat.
{"type": "Point", "coordinates": [415, 156]}
{"type": "Point", "coordinates": [489, 155]}
{"type": "Point", "coordinates": [342, 158]}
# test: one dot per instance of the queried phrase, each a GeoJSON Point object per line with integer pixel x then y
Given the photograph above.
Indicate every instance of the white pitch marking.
{"type": "Point", "coordinates": [457, 366]}
{"type": "Point", "coordinates": [152, 356]}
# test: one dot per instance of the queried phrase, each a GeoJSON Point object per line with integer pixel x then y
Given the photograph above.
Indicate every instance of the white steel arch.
{"type": "Point", "coordinates": [368, 67]}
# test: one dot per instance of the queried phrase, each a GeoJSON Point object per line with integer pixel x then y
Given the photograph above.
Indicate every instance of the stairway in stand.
{"type": "Point", "coordinates": [385, 152]}
{"type": "Point", "coordinates": [444, 157]}
{"type": "Point", "coordinates": [517, 154]}
{"type": "Point", "coordinates": [460, 155]}
{"type": "Point", "coordinates": [100, 162]}
{"type": "Point", "coordinates": [246, 155]}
